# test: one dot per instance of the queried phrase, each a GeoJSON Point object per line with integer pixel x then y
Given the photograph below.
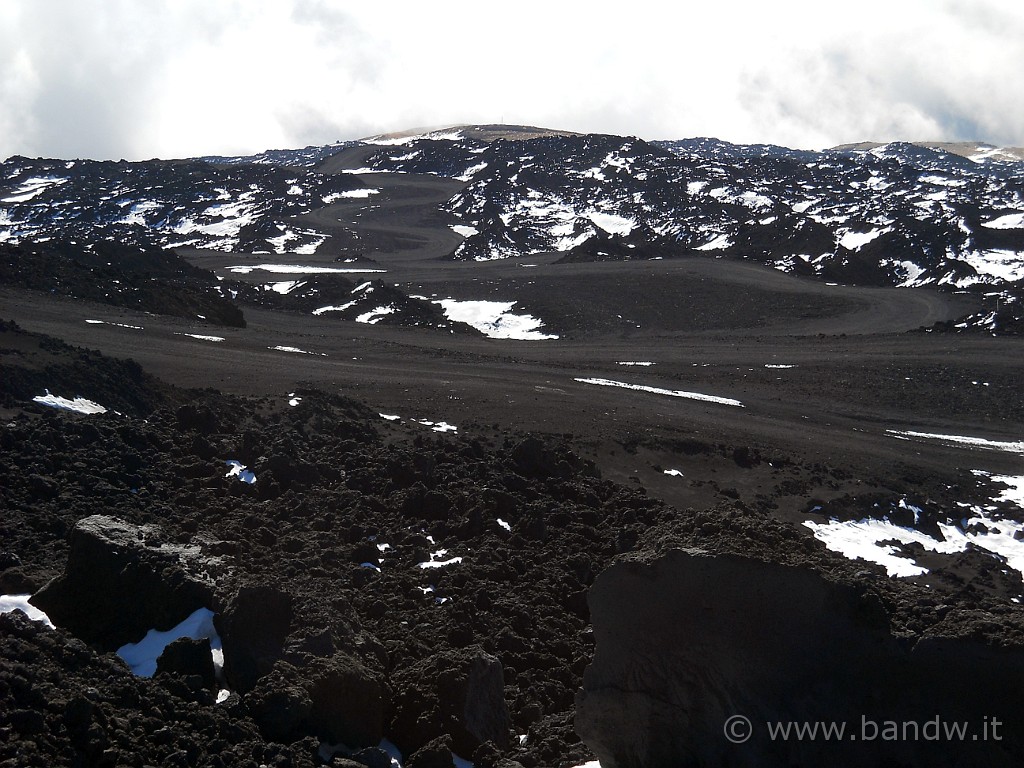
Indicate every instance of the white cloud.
{"type": "Point", "coordinates": [113, 78]}
{"type": "Point", "coordinates": [929, 71]}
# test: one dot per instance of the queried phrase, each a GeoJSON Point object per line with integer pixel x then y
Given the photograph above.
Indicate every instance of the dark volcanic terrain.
{"type": "Point", "coordinates": [482, 442]}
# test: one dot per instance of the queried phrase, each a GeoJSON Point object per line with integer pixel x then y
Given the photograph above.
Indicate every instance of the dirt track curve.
{"type": "Point", "coordinates": [848, 362]}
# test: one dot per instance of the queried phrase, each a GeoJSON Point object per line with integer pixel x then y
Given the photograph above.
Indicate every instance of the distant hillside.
{"type": "Point", "coordinates": [977, 151]}
{"type": "Point", "coordinates": [484, 133]}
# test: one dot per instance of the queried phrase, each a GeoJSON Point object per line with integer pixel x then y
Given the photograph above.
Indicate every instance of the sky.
{"type": "Point", "coordinates": [124, 79]}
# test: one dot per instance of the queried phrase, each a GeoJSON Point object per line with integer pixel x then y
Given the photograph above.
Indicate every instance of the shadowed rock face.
{"type": "Point", "coordinates": [690, 640]}
{"type": "Point", "coordinates": [457, 695]}
{"type": "Point", "coordinates": [191, 660]}
{"type": "Point", "coordinates": [122, 580]}
{"type": "Point", "coordinates": [253, 628]}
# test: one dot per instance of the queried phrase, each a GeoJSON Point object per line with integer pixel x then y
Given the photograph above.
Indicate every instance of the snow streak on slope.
{"type": "Point", "coordinates": [661, 391]}
{"type": "Point", "coordinates": [77, 404]}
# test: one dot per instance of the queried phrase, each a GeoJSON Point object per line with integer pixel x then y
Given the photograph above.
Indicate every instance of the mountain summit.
{"type": "Point", "coordinates": [475, 132]}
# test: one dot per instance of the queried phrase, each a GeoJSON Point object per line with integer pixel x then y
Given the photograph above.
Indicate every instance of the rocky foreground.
{"type": "Point", "coordinates": [484, 595]}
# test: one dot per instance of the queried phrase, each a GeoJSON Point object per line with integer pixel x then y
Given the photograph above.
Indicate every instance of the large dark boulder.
{"type": "Point", "coordinates": [328, 683]}
{"type": "Point", "coordinates": [189, 659]}
{"type": "Point", "coordinates": [689, 640]}
{"type": "Point", "coordinates": [278, 704]}
{"type": "Point", "coordinates": [339, 700]}
{"type": "Point", "coordinates": [253, 627]}
{"type": "Point", "coordinates": [122, 580]}
{"type": "Point", "coordinates": [436, 754]}
{"type": "Point", "coordinates": [460, 694]}
{"type": "Point", "coordinates": [349, 702]}
{"type": "Point", "coordinates": [535, 459]}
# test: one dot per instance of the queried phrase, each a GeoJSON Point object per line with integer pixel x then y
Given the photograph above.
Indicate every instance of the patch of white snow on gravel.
{"type": "Point", "coordinates": [660, 391]}
{"type": "Point", "coordinates": [78, 404]}
{"type": "Point", "coordinates": [495, 319]}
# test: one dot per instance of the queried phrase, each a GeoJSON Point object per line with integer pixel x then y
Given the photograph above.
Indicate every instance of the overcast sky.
{"type": "Point", "coordinates": [135, 79]}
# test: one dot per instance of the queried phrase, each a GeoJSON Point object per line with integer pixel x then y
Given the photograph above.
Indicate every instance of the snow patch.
{"type": "Point", "coordinates": [352, 194]}
{"type": "Point", "coordinates": [239, 470]}
{"type": "Point", "coordinates": [200, 336]}
{"type": "Point", "coordinates": [437, 426]}
{"type": "Point", "coordinates": [297, 269]}
{"type": "Point", "coordinates": [1009, 221]}
{"type": "Point", "coordinates": [659, 391]}
{"type": "Point", "coordinates": [472, 171]}
{"type": "Point", "coordinates": [137, 213]}
{"type": "Point", "coordinates": [374, 316]}
{"type": "Point", "coordinates": [385, 141]}
{"type": "Point", "coordinates": [436, 561]}
{"type": "Point", "coordinates": [340, 308]}
{"type": "Point", "coordinates": [941, 181]}
{"type": "Point", "coordinates": [282, 243]}
{"type": "Point", "coordinates": [285, 286]}
{"type": "Point", "coordinates": [610, 222]}
{"type": "Point", "coordinates": [718, 243]}
{"type": "Point", "coordinates": [298, 351]}
{"type": "Point", "coordinates": [142, 656]}
{"type": "Point", "coordinates": [912, 274]}
{"type": "Point", "coordinates": [222, 222]}
{"type": "Point", "coordinates": [997, 262]}
{"type": "Point", "coordinates": [78, 404]}
{"type": "Point", "coordinates": [117, 325]}
{"type": "Point", "coordinates": [10, 603]}
{"type": "Point", "coordinates": [32, 187]}
{"type": "Point", "coordinates": [1014, 493]}
{"type": "Point", "coordinates": [860, 539]}
{"type": "Point", "coordinates": [494, 319]}
{"type": "Point", "coordinates": [854, 241]}
{"type": "Point", "coordinates": [976, 442]}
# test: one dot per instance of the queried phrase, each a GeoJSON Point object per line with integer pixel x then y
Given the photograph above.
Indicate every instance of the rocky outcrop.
{"type": "Point", "coordinates": [349, 702]}
{"type": "Point", "coordinates": [340, 700]}
{"type": "Point", "coordinates": [61, 703]}
{"type": "Point", "coordinates": [456, 694]}
{"type": "Point", "coordinates": [121, 581]}
{"type": "Point", "coordinates": [278, 704]}
{"type": "Point", "coordinates": [191, 660]}
{"type": "Point", "coordinates": [690, 640]}
{"type": "Point", "coordinates": [253, 627]}
{"type": "Point", "coordinates": [327, 684]}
